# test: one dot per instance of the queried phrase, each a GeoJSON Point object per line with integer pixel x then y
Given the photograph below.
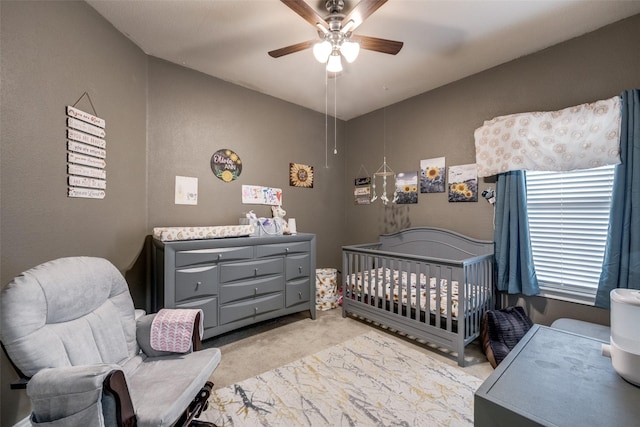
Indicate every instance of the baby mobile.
{"type": "Point", "coordinates": [384, 170]}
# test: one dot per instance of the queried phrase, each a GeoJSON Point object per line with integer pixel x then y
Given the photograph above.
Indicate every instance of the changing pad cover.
{"type": "Point", "coordinates": [168, 234]}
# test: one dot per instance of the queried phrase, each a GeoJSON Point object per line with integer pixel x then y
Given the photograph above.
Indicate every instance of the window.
{"type": "Point", "coordinates": [568, 221]}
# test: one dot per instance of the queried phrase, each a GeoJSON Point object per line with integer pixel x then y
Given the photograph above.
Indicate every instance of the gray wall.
{"type": "Point", "coordinates": [441, 122]}
{"type": "Point", "coordinates": [52, 52]}
{"type": "Point", "coordinates": [192, 115]}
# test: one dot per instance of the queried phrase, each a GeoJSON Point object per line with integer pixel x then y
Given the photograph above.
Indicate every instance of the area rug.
{"type": "Point", "coordinates": [370, 380]}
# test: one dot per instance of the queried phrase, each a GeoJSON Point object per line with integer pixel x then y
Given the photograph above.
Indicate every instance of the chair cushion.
{"type": "Point", "coordinates": [501, 330]}
{"type": "Point", "coordinates": [157, 405]}
{"type": "Point", "coordinates": [67, 312]}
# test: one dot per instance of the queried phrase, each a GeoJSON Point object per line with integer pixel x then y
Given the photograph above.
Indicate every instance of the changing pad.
{"type": "Point", "coordinates": [168, 234]}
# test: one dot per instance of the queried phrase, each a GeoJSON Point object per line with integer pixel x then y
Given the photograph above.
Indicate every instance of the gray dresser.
{"type": "Point", "coordinates": [235, 281]}
{"type": "Point", "coordinates": [556, 378]}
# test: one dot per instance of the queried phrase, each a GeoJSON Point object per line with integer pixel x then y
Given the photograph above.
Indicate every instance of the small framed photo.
{"type": "Point", "coordinates": [300, 175]}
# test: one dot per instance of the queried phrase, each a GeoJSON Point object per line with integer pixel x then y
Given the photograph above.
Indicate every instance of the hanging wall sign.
{"type": "Point", "coordinates": [86, 151]}
{"type": "Point", "coordinates": [362, 190]}
{"type": "Point", "coordinates": [226, 165]}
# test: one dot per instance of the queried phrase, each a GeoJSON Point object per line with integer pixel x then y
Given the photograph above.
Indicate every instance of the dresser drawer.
{"type": "Point", "coordinates": [297, 266]}
{"type": "Point", "coordinates": [196, 282]}
{"type": "Point", "coordinates": [282, 249]}
{"type": "Point", "coordinates": [203, 256]}
{"type": "Point", "coordinates": [253, 288]}
{"type": "Point", "coordinates": [209, 308]}
{"type": "Point", "coordinates": [250, 308]}
{"type": "Point", "coordinates": [298, 292]}
{"type": "Point", "coordinates": [246, 270]}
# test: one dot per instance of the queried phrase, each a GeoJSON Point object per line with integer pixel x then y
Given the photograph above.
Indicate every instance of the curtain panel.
{"type": "Point", "coordinates": [516, 274]}
{"type": "Point", "coordinates": [621, 265]}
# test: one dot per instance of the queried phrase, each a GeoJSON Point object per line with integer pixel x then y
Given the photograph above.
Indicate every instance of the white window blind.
{"type": "Point", "coordinates": [568, 220]}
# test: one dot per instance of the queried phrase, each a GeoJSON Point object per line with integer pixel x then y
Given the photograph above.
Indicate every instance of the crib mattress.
{"type": "Point", "coordinates": [167, 234]}
{"type": "Point", "coordinates": [398, 286]}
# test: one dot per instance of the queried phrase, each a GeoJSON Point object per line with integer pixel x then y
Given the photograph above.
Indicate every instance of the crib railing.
{"type": "Point", "coordinates": [377, 285]}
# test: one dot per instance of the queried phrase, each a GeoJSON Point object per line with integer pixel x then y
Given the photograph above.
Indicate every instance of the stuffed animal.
{"type": "Point", "coordinates": [278, 215]}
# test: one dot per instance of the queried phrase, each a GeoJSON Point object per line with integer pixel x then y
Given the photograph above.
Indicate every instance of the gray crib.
{"type": "Point", "coordinates": [430, 283]}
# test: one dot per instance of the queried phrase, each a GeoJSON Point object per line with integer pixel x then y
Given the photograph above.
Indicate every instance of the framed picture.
{"type": "Point", "coordinates": [406, 188]}
{"type": "Point", "coordinates": [463, 183]}
{"type": "Point", "coordinates": [300, 175]}
{"type": "Point", "coordinates": [432, 175]}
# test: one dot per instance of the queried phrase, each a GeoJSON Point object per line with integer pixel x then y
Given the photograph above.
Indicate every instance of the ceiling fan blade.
{"type": "Point", "coordinates": [391, 47]}
{"type": "Point", "coordinates": [362, 11]}
{"type": "Point", "coordinates": [292, 49]}
{"type": "Point", "coordinates": [306, 12]}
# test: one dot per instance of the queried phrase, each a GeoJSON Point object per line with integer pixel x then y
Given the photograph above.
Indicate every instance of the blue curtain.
{"type": "Point", "coordinates": [516, 274]}
{"type": "Point", "coordinates": [621, 266]}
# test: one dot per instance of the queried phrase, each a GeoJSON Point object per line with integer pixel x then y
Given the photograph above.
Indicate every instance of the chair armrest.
{"type": "Point", "coordinates": [21, 382]}
{"type": "Point", "coordinates": [115, 387]}
{"type": "Point", "coordinates": [143, 335]}
{"type": "Point", "coordinates": [74, 395]}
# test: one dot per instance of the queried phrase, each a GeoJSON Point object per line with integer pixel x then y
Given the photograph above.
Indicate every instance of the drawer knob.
{"type": "Point", "coordinates": [255, 271]}
{"type": "Point", "coordinates": [300, 269]}
{"type": "Point", "coordinates": [219, 257]}
{"type": "Point", "coordinates": [256, 291]}
{"type": "Point", "coordinates": [300, 295]}
{"type": "Point", "coordinates": [198, 285]}
{"type": "Point", "coordinates": [255, 309]}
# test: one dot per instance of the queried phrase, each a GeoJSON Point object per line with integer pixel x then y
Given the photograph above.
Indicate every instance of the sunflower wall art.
{"type": "Point", "coordinates": [300, 175]}
{"type": "Point", "coordinates": [226, 165]}
{"type": "Point", "coordinates": [406, 188]}
{"type": "Point", "coordinates": [432, 175]}
{"type": "Point", "coordinates": [463, 183]}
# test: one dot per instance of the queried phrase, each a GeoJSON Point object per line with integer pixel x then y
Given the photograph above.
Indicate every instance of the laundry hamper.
{"type": "Point", "coordinates": [326, 288]}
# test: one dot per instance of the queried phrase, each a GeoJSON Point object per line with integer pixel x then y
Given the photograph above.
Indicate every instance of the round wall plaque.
{"type": "Point", "coordinates": [226, 165]}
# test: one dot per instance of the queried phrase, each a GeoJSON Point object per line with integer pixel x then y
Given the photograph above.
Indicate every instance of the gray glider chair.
{"type": "Point", "coordinates": [69, 327]}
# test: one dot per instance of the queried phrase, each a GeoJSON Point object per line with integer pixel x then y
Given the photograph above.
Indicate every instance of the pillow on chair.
{"type": "Point", "coordinates": [501, 330]}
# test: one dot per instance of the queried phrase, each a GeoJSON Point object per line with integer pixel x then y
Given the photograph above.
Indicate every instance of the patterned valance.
{"type": "Point", "coordinates": [581, 137]}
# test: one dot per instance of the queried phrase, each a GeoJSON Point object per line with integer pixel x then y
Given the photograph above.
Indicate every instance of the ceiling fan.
{"type": "Point", "coordinates": [336, 33]}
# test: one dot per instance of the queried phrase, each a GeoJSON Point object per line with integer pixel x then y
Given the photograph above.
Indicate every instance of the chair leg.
{"type": "Point", "coordinates": [198, 423]}
{"type": "Point", "coordinates": [199, 404]}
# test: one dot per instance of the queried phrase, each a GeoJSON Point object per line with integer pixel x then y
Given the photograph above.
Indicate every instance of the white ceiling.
{"type": "Point", "coordinates": [444, 40]}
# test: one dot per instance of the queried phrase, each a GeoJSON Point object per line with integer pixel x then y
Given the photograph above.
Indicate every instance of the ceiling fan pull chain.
{"type": "Point", "coordinates": [335, 115]}
{"type": "Point", "coordinates": [326, 120]}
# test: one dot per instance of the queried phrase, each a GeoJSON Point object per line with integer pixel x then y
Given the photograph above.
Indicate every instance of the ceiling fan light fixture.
{"type": "Point", "coordinates": [322, 51]}
{"type": "Point", "coordinates": [345, 29]}
{"type": "Point", "coordinates": [334, 64]}
{"type": "Point", "coordinates": [350, 50]}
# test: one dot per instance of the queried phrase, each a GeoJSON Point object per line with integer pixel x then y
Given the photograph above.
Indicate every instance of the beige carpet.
{"type": "Point", "coordinates": [369, 380]}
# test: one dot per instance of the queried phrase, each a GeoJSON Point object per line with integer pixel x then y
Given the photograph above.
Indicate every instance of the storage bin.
{"type": "Point", "coordinates": [326, 289]}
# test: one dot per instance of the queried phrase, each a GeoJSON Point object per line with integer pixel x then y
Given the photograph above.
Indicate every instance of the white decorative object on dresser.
{"type": "Point", "coordinates": [236, 281]}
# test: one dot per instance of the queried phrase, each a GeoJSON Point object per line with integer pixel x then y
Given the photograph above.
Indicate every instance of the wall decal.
{"type": "Point", "coordinates": [432, 175]}
{"type": "Point", "coordinates": [300, 175]}
{"type": "Point", "coordinates": [463, 183]}
{"type": "Point", "coordinates": [226, 165]}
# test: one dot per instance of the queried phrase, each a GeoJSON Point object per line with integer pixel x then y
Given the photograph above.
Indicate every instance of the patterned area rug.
{"type": "Point", "coordinates": [370, 380]}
